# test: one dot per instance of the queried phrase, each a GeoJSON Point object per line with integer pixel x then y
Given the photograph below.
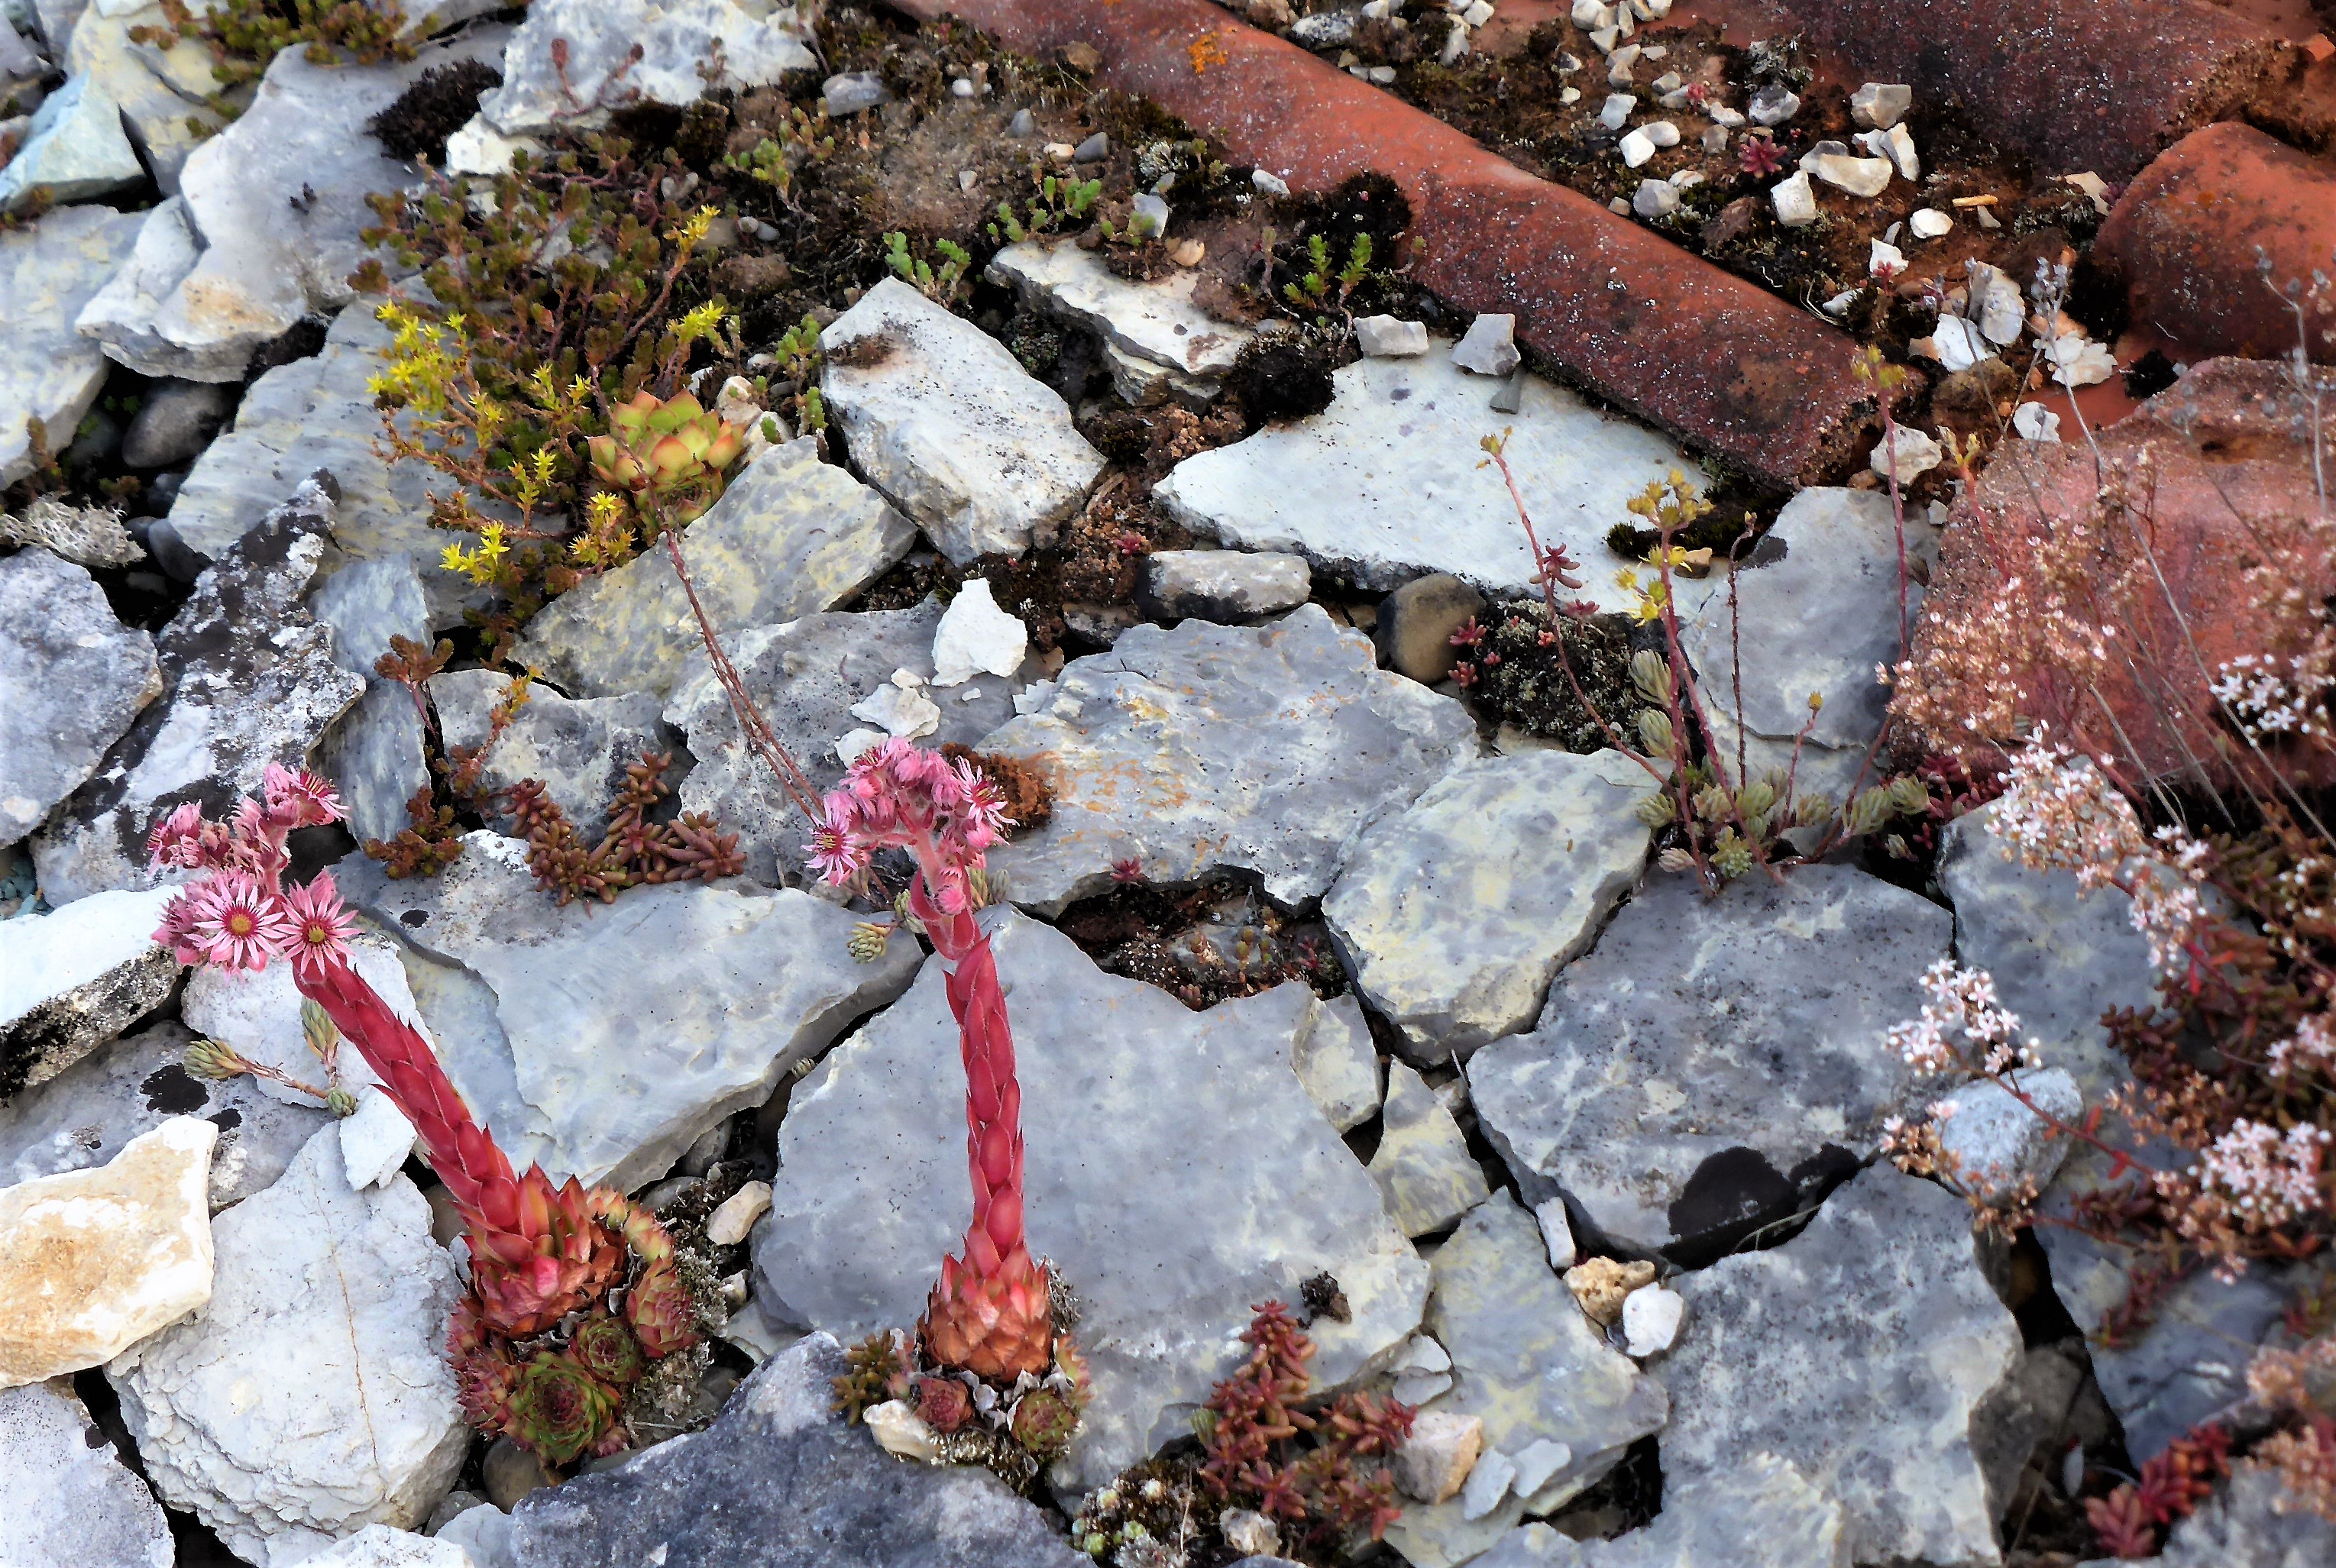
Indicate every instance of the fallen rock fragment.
{"type": "Point", "coordinates": [577, 748]}
{"type": "Point", "coordinates": [976, 638]}
{"type": "Point", "coordinates": [1224, 585]}
{"type": "Point", "coordinates": [72, 679]}
{"type": "Point", "coordinates": [92, 1261]}
{"type": "Point", "coordinates": [74, 150]}
{"type": "Point", "coordinates": [1422, 1164]}
{"type": "Point", "coordinates": [1601, 1286]}
{"type": "Point", "coordinates": [159, 91]}
{"type": "Point", "coordinates": [1761, 1513]}
{"type": "Point", "coordinates": [70, 1500]}
{"type": "Point", "coordinates": [573, 62]}
{"type": "Point", "coordinates": [1257, 1193]}
{"type": "Point", "coordinates": [49, 268]}
{"type": "Point", "coordinates": [1336, 1062]}
{"type": "Point", "coordinates": [1156, 341]}
{"type": "Point", "coordinates": [1434, 1463]}
{"type": "Point", "coordinates": [375, 752]}
{"type": "Point", "coordinates": [72, 979]}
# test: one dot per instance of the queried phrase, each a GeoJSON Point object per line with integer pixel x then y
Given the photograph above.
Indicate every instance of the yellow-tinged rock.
{"type": "Point", "coordinates": [92, 1261]}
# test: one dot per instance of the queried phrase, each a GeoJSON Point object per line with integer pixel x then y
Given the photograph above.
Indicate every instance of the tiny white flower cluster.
{"type": "Point", "coordinates": [1961, 1026]}
{"type": "Point", "coordinates": [2314, 1045]}
{"type": "Point", "coordinates": [2267, 1179]}
{"type": "Point", "coordinates": [2265, 702]}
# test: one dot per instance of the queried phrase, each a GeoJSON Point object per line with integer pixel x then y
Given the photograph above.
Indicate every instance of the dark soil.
{"type": "Point", "coordinates": [1203, 943]}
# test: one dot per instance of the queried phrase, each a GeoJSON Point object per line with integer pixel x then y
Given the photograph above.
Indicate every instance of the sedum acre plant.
{"type": "Point", "coordinates": [574, 1297]}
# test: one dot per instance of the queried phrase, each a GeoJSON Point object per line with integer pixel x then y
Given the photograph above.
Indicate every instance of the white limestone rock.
{"type": "Point", "coordinates": [1651, 1316]}
{"type": "Point", "coordinates": [1422, 1164]}
{"type": "Point", "coordinates": [379, 1547]}
{"type": "Point", "coordinates": [1157, 342]}
{"type": "Point", "coordinates": [1454, 913]}
{"type": "Point", "coordinates": [375, 752]}
{"type": "Point", "coordinates": [72, 979]}
{"type": "Point", "coordinates": [1385, 485]}
{"type": "Point", "coordinates": [72, 679]}
{"type": "Point", "coordinates": [976, 638]}
{"type": "Point", "coordinates": [160, 91]}
{"type": "Point", "coordinates": [92, 1261]}
{"type": "Point", "coordinates": [70, 1499]}
{"type": "Point", "coordinates": [1336, 1062]}
{"type": "Point", "coordinates": [311, 1397]}
{"type": "Point", "coordinates": [1763, 1512]}
{"type": "Point", "coordinates": [1795, 202]}
{"type": "Point", "coordinates": [1228, 585]}
{"type": "Point", "coordinates": [1998, 1144]}
{"type": "Point", "coordinates": [74, 150]}
{"type": "Point", "coordinates": [1390, 337]}
{"type": "Point", "coordinates": [758, 43]}
{"type": "Point", "coordinates": [49, 268]}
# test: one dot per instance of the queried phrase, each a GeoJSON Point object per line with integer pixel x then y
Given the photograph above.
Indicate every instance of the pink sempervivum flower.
{"type": "Point", "coordinates": [299, 799]}
{"type": "Point", "coordinates": [322, 926]}
{"type": "Point", "coordinates": [235, 921]}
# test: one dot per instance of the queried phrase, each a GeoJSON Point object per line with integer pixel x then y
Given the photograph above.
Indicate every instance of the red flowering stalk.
{"type": "Point", "coordinates": [538, 1253]}
{"type": "Point", "coordinates": [991, 1314]}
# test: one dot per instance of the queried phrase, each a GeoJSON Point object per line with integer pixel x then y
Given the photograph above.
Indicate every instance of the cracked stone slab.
{"type": "Point", "coordinates": [72, 679]}
{"type": "Point", "coordinates": [1422, 1164]}
{"type": "Point", "coordinates": [70, 1498]}
{"type": "Point", "coordinates": [780, 1481]}
{"type": "Point", "coordinates": [74, 150]}
{"type": "Point", "coordinates": [1338, 1065]}
{"type": "Point", "coordinates": [689, 47]}
{"type": "Point", "coordinates": [311, 1397]}
{"type": "Point", "coordinates": [1249, 1191]}
{"type": "Point", "coordinates": [159, 91]}
{"type": "Point", "coordinates": [1714, 1061]}
{"type": "Point", "coordinates": [943, 419]}
{"type": "Point", "coordinates": [1384, 486]}
{"type": "Point", "coordinates": [1208, 748]}
{"type": "Point", "coordinates": [375, 752]}
{"type": "Point", "coordinates": [1817, 620]}
{"type": "Point", "coordinates": [1867, 1350]}
{"type": "Point", "coordinates": [49, 268]}
{"type": "Point", "coordinates": [805, 675]}
{"type": "Point", "coordinates": [1157, 341]}
{"type": "Point", "coordinates": [87, 1114]}
{"type": "Point", "coordinates": [1761, 1514]}
{"type": "Point", "coordinates": [578, 747]}
{"type": "Point", "coordinates": [274, 204]}
{"type": "Point", "coordinates": [1532, 1368]}
{"type": "Point", "coordinates": [249, 679]}
{"type": "Point", "coordinates": [1454, 914]}
{"type": "Point", "coordinates": [635, 1026]}
{"type": "Point", "coordinates": [73, 979]}
{"type": "Point", "coordinates": [790, 537]}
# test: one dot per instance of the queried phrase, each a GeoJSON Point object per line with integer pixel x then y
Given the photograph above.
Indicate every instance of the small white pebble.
{"type": "Point", "coordinates": [961, 88]}
{"type": "Point", "coordinates": [1651, 1316]}
{"type": "Point", "coordinates": [1929, 223]}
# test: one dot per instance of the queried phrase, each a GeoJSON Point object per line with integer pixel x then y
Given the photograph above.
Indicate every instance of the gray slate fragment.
{"type": "Point", "coordinates": [1221, 584]}
{"type": "Point", "coordinates": [635, 1026]}
{"type": "Point", "coordinates": [2244, 1523]}
{"type": "Point", "coordinates": [70, 1500]}
{"type": "Point", "coordinates": [1454, 914]}
{"type": "Point", "coordinates": [1422, 1164]}
{"type": "Point", "coordinates": [943, 419]}
{"type": "Point", "coordinates": [72, 679]}
{"type": "Point", "coordinates": [74, 150]}
{"type": "Point", "coordinates": [1818, 620]}
{"type": "Point", "coordinates": [73, 979]}
{"type": "Point", "coordinates": [1761, 1514]}
{"type": "Point", "coordinates": [1526, 1362]}
{"type": "Point", "coordinates": [83, 1116]}
{"type": "Point", "coordinates": [780, 1481]}
{"type": "Point", "coordinates": [248, 680]}
{"type": "Point", "coordinates": [805, 675]}
{"type": "Point", "coordinates": [791, 536]}
{"type": "Point", "coordinates": [376, 752]}
{"type": "Point", "coordinates": [1714, 1061]}
{"type": "Point", "coordinates": [578, 747]}
{"type": "Point", "coordinates": [1865, 1350]}
{"type": "Point", "coordinates": [48, 270]}
{"type": "Point", "coordinates": [758, 43]}
{"type": "Point", "coordinates": [1206, 748]}
{"type": "Point", "coordinates": [1247, 1189]}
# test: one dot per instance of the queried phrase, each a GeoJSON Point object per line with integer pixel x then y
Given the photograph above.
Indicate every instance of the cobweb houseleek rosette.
{"type": "Point", "coordinates": [991, 1312]}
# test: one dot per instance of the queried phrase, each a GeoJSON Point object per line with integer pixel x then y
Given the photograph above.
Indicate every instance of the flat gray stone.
{"type": "Point", "coordinates": [74, 150]}
{"type": "Point", "coordinates": [376, 752]}
{"type": "Point", "coordinates": [1454, 914]}
{"type": "Point", "coordinates": [311, 1397]}
{"type": "Point", "coordinates": [1338, 1065]}
{"type": "Point", "coordinates": [630, 1057]}
{"type": "Point", "coordinates": [1998, 1144]}
{"type": "Point", "coordinates": [248, 680]}
{"type": "Point", "coordinates": [70, 1498]}
{"type": "Point", "coordinates": [780, 1481]}
{"type": "Point", "coordinates": [1714, 1061]}
{"type": "Point", "coordinates": [943, 419]}
{"type": "Point", "coordinates": [805, 675]}
{"type": "Point", "coordinates": [72, 679]}
{"type": "Point", "coordinates": [275, 204]}
{"type": "Point", "coordinates": [160, 91]}
{"type": "Point", "coordinates": [1249, 1191]}
{"type": "Point", "coordinates": [1221, 584]}
{"type": "Point", "coordinates": [73, 979]}
{"type": "Point", "coordinates": [1818, 620]}
{"type": "Point", "coordinates": [176, 422]}
{"type": "Point", "coordinates": [48, 270]}
{"type": "Point", "coordinates": [2245, 1523]}
{"type": "Point", "coordinates": [1156, 341]}
{"type": "Point", "coordinates": [1384, 486]}
{"type": "Point", "coordinates": [1761, 1514]}
{"type": "Point", "coordinates": [578, 747]}
{"type": "Point", "coordinates": [1865, 1350]}
{"type": "Point", "coordinates": [1422, 1164]}
{"type": "Point", "coordinates": [2061, 958]}
{"type": "Point", "coordinates": [1210, 749]}
{"type": "Point", "coordinates": [1533, 1367]}
{"type": "Point", "coordinates": [758, 43]}
{"type": "Point", "coordinates": [790, 537]}
{"type": "Point", "coordinates": [82, 1117]}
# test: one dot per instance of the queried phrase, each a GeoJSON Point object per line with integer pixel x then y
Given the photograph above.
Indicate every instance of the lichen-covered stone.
{"type": "Point", "coordinates": [376, 752]}
{"type": "Point", "coordinates": [1247, 1192]}
{"type": "Point", "coordinates": [1221, 584]}
{"type": "Point", "coordinates": [248, 680]}
{"type": "Point", "coordinates": [1156, 340]}
{"type": "Point", "coordinates": [70, 1500]}
{"type": "Point", "coordinates": [1422, 1164]}
{"type": "Point", "coordinates": [1867, 1350]}
{"type": "Point", "coordinates": [1211, 748]}
{"type": "Point", "coordinates": [577, 748]}
{"type": "Point", "coordinates": [311, 1397]}
{"type": "Point", "coordinates": [92, 1261]}
{"type": "Point", "coordinates": [72, 979]}
{"type": "Point", "coordinates": [1338, 1065]}
{"type": "Point", "coordinates": [1714, 1061]}
{"type": "Point", "coordinates": [944, 419]}
{"type": "Point", "coordinates": [48, 270]}
{"type": "Point", "coordinates": [781, 1481]}
{"type": "Point", "coordinates": [74, 150]}
{"type": "Point", "coordinates": [1526, 1362]}
{"type": "Point", "coordinates": [686, 48]}
{"type": "Point", "coordinates": [1761, 1512]}
{"type": "Point", "coordinates": [1454, 913]}
{"type": "Point", "coordinates": [791, 536]}
{"type": "Point", "coordinates": [72, 678]}
{"type": "Point", "coordinates": [160, 91]}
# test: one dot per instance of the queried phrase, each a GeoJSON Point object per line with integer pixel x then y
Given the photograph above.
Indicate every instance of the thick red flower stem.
{"type": "Point", "coordinates": [995, 1247]}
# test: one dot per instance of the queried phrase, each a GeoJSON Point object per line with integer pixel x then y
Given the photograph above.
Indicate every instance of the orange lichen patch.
{"type": "Point", "coordinates": [1205, 52]}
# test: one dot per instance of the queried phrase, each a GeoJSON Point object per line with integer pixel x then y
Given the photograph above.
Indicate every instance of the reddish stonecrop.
{"type": "Point", "coordinates": [990, 1314]}
{"type": "Point", "coordinates": [538, 1253]}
